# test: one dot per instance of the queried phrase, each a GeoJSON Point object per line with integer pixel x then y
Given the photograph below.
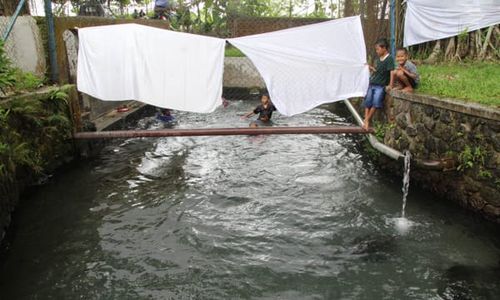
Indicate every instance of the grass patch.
{"type": "Point", "coordinates": [233, 52]}
{"type": "Point", "coordinates": [471, 81]}
{"type": "Point", "coordinates": [26, 82]}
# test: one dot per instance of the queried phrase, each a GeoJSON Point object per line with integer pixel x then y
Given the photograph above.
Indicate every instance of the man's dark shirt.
{"type": "Point", "coordinates": [264, 113]}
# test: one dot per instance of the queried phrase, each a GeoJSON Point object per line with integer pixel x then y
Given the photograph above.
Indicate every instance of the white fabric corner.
{"type": "Point", "coordinates": [306, 66]}
{"type": "Point", "coordinates": [155, 66]}
{"type": "Point", "coordinates": [429, 20]}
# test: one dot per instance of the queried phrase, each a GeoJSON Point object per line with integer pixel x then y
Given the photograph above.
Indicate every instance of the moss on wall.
{"type": "Point", "coordinates": [35, 138]}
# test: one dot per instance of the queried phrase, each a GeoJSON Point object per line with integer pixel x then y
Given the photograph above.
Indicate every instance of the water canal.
{"type": "Point", "coordinates": [262, 217]}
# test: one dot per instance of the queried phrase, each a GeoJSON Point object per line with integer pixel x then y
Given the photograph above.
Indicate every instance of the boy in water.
{"type": "Point", "coordinates": [405, 76]}
{"type": "Point", "coordinates": [165, 116]}
{"type": "Point", "coordinates": [265, 110]}
{"type": "Point", "coordinates": [379, 79]}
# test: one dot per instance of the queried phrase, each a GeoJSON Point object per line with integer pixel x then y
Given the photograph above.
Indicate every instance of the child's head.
{"type": "Point", "coordinates": [381, 47]}
{"type": "Point", "coordinates": [166, 112]}
{"type": "Point", "coordinates": [401, 56]}
{"type": "Point", "coordinates": [264, 99]}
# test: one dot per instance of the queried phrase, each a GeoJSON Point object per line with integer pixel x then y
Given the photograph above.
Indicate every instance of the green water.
{"type": "Point", "coordinates": [261, 217]}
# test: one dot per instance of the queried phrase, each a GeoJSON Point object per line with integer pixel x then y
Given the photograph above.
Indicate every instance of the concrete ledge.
{"type": "Point", "coordinates": [472, 109]}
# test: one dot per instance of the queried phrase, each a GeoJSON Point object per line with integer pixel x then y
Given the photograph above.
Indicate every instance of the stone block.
{"type": "Point", "coordinates": [491, 210]}
{"type": "Point", "coordinates": [490, 195]}
{"type": "Point", "coordinates": [430, 144]}
{"type": "Point", "coordinates": [442, 147]}
{"type": "Point", "coordinates": [429, 110]}
{"type": "Point", "coordinates": [429, 123]}
{"type": "Point", "coordinates": [401, 121]}
{"type": "Point", "coordinates": [476, 201]}
{"type": "Point", "coordinates": [411, 131]}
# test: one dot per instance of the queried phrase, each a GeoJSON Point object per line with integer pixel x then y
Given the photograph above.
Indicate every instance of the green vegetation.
{"type": "Point", "coordinates": [233, 52]}
{"type": "Point", "coordinates": [26, 127]}
{"type": "Point", "coordinates": [32, 128]}
{"type": "Point", "coordinates": [473, 158]}
{"type": "Point", "coordinates": [26, 82]}
{"type": "Point", "coordinates": [13, 79]}
{"type": "Point", "coordinates": [471, 81]}
{"type": "Point", "coordinates": [381, 129]}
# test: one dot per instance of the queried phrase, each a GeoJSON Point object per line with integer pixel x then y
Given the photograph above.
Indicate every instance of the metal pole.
{"type": "Point", "coordinates": [393, 27]}
{"type": "Point", "coordinates": [219, 132]}
{"type": "Point", "coordinates": [13, 19]}
{"type": "Point", "coordinates": [54, 70]}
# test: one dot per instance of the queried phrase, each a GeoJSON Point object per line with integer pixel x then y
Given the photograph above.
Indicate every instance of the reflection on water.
{"type": "Point", "coordinates": [265, 217]}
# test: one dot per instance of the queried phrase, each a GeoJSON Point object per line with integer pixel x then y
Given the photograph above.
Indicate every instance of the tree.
{"type": "Point", "coordinates": [9, 7]}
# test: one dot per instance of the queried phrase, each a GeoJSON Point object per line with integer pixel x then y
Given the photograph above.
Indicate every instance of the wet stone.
{"type": "Point", "coordinates": [445, 117]}
{"type": "Point", "coordinates": [429, 123]}
{"type": "Point", "coordinates": [492, 210]}
{"type": "Point", "coordinates": [442, 147]}
{"type": "Point", "coordinates": [430, 144]}
{"type": "Point", "coordinates": [411, 131]}
{"type": "Point", "coordinates": [435, 114]}
{"type": "Point", "coordinates": [401, 121]}
{"type": "Point", "coordinates": [428, 110]}
{"type": "Point", "coordinates": [403, 143]}
{"type": "Point", "coordinates": [490, 195]}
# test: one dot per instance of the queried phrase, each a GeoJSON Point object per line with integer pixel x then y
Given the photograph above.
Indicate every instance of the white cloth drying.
{"type": "Point", "coordinates": [306, 66]}
{"type": "Point", "coordinates": [160, 67]}
{"type": "Point", "coordinates": [428, 20]}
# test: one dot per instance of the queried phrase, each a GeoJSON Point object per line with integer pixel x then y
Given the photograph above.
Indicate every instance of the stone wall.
{"type": "Point", "coordinates": [36, 139]}
{"type": "Point", "coordinates": [24, 45]}
{"type": "Point", "coordinates": [468, 134]}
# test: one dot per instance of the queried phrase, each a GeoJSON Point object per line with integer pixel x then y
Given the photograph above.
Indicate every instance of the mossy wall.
{"type": "Point", "coordinates": [35, 138]}
{"type": "Point", "coordinates": [464, 133]}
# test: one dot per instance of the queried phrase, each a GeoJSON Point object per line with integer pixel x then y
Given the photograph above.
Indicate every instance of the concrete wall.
{"type": "Point", "coordinates": [469, 134]}
{"type": "Point", "coordinates": [239, 72]}
{"type": "Point", "coordinates": [24, 45]}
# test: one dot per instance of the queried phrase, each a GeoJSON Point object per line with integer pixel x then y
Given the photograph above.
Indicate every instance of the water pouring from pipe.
{"type": "Point", "coordinates": [403, 224]}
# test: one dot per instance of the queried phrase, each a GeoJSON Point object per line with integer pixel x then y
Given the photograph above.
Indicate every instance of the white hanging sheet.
{"type": "Point", "coordinates": [306, 66]}
{"type": "Point", "coordinates": [159, 67]}
{"type": "Point", "coordinates": [428, 20]}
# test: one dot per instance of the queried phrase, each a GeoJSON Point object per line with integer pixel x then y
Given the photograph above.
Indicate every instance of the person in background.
{"type": "Point", "coordinates": [379, 79]}
{"type": "Point", "coordinates": [165, 115]}
{"type": "Point", "coordinates": [405, 77]}
{"type": "Point", "coordinates": [162, 9]}
{"type": "Point", "coordinates": [264, 110]}
{"type": "Point", "coordinates": [135, 14]}
{"type": "Point", "coordinates": [142, 14]}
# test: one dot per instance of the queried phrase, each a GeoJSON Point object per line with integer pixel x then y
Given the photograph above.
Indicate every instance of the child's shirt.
{"type": "Point", "coordinates": [264, 113]}
{"type": "Point", "coordinates": [410, 67]}
{"type": "Point", "coordinates": [383, 68]}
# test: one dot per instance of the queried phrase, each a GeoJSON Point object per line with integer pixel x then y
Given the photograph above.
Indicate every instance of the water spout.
{"type": "Point", "coordinates": [406, 180]}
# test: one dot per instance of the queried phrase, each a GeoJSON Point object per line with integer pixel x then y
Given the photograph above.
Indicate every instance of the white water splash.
{"type": "Point", "coordinates": [406, 181]}
{"type": "Point", "coordinates": [402, 225]}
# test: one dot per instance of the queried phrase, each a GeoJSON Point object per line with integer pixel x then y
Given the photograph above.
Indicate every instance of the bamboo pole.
{"type": "Point", "coordinates": [220, 132]}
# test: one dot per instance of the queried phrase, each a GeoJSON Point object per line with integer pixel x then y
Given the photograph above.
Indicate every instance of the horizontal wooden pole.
{"type": "Point", "coordinates": [220, 131]}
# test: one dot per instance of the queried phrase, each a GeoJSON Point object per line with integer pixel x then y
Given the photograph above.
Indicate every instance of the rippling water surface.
{"type": "Point", "coordinates": [262, 217]}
